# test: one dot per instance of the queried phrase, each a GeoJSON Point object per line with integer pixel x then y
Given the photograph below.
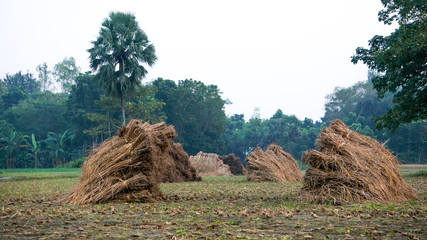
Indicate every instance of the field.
{"type": "Point", "coordinates": [216, 208]}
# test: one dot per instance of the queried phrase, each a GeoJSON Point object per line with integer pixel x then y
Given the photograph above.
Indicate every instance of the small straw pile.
{"type": "Point", "coordinates": [272, 165]}
{"type": "Point", "coordinates": [236, 166]}
{"type": "Point", "coordinates": [209, 164]}
{"type": "Point", "coordinates": [126, 167]}
{"type": "Point", "coordinates": [178, 166]}
{"type": "Point", "coordinates": [348, 167]}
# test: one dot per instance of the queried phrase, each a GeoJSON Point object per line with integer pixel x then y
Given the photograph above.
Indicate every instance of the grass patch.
{"type": "Point", "coordinates": [40, 173]}
{"type": "Point", "coordinates": [32, 170]}
{"type": "Point", "coordinates": [418, 173]}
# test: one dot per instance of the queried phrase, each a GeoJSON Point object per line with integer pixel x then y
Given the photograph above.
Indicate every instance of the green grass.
{"type": "Point", "coordinates": [39, 173]}
{"type": "Point", "coordinates": [31, 170]}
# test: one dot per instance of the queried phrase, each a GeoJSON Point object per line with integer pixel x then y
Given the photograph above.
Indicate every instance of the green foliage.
{"type": "Point", "coordinates": [116, 56]}
{"type": "Point", "coordinates": [39, 114]}
{"type": "Point", "coordinates": [144, 105]}
{"type": "Point", "coordinates": [65, 73]}
{"type": "Point", "coordinates": [80, 104]}
{"type": "Point", "coordinates": [197, 113]}
{"type": "Point", "coordinates": [73, 164]}
{"type": "Point", "coordinates": [18, 87]}
{"type": "Point", "coordinates": [35, 149]}
{"type": "Point", "coordinates": [105, 123]}
{"type": "Point", "coordinates": [11, 143]}
{"type": "Point", "coordinates": [358, 105]}
{"type": "Point", "coordinates": [56, 145]}
{"type": "Point", "coordinates": [44, 76]}
{"type": "Point", "coordinates": [293, 135]}
{"type": "Point", "coordinates": [401, 59]}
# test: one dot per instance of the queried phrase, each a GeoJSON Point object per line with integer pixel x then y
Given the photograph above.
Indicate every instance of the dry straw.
{"type": "Point", "coordinates": [348, 167]}
{"type": "Point", "coordinates": [272, 165]}
{"type": "Point", "coordinates": [178, 166]}
{"type": "Point", "coordinates": [209, 164]}
{"type": "Point", "coordinates": [126, 167]}
{"type": "Point", "coordinates": [236, 166]}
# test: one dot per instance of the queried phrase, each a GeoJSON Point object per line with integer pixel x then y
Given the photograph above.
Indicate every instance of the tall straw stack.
{"type": "Point", "coordinates": [178, 166]}
{"type": "Point", "coordinates": [126, 167]}
{"type": "Point", "coordinates": [236, 166]}
{"type": "Point", "coordinates": [209, 164]}
{"type": "Point", "coordinates": [272, 165]}
{"type": "Point", "coordinates": [348, 167]}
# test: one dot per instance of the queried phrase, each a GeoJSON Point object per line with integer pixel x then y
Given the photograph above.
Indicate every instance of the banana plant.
{"type": "Point", "coordinates": [10, 143]}
{"type": "Point", "coordinates": [56, 143]}
{"type": "Point", "coordinates": [35, 149]}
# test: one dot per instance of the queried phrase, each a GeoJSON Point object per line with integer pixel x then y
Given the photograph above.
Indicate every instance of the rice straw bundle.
{"type": "Point", "coordinates": [348, 167]}
{"type": "Point", "coordinates": [272, 165]}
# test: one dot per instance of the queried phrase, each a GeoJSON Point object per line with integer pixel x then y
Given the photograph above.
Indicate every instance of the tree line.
{"type": "Point", "coordinates": [44, 128]}
{"type": "Point", "coordinates": [60, 116]}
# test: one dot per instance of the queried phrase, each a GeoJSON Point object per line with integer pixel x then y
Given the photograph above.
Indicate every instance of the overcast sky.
{"type": "Point", "coordinates": [269, 54]}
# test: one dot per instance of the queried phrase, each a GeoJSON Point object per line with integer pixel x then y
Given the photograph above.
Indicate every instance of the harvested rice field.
{"type": "Point", "coordinates": [214, 208]}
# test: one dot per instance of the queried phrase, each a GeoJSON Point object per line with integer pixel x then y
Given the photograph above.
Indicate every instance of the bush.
{"type": "Point", "coordinates": [73, 164]}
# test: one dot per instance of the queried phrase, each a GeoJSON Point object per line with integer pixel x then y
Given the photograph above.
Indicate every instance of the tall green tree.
{"type": "Point", "coordinates": [19, 87]}
{"type": "Point", "coordinates": [44, 76]}
{"type": "Point", "coordinates": [66, 73]}
{"type": "Point", "coordinates": [80, 103]}
{"type": "Point", "coordinates": [117, 55]}
{"type": "Point", "coordinates": [196, 111]}
{"type": "Point", "coordinates": [401, 60]}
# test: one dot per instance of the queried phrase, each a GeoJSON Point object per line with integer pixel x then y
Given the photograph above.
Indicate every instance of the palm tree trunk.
{"type": "Point", "coordinates": [123, 111]}
{"type": "Point", "coordinates": [122, 70]}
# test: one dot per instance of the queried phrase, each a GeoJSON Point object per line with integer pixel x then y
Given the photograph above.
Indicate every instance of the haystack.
{"type": "Point", "coordinates": [348, 167]}
{"type": "Point", "coordinates": [126, 167]}
{"type": "Point", "coordinates": [178, 167]}
{"type": "Point", "coordinates": [209, 164]}
{"type": "Point", "coordinates": [236, 166]}
{"type": "Point", "coordinates": [272, 165]}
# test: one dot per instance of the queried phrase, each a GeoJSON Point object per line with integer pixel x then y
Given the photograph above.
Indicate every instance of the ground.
{"type": "Point", "coordinates": [215, 208]}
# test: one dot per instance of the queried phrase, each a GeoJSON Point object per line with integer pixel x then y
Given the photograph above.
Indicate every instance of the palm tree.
{"type": "Point", "coordinates": [116, 56]}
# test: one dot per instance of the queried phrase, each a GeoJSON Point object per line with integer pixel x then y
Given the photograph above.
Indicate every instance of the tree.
{"type": "Point", "coordinates": [233, 137]}
{"type": "Point", "coordinates": [19, 87]}
{"type": "Point", "coordinates": [80, 103]}
{"type": "Point", "coordinates": [44, 76]}
{"type": "Point", "coordinates": [401, 60]}
{"type": "Point", "coordinates": [197, 113]}
{"type": "Point", "coordinates": [41, 113]}
{"type": "Point", "coordinates": [116, 56]}
{"type": "Point", "coordinates": [357, 105]}
{"type": "Point", "coordinates": [66, 72]}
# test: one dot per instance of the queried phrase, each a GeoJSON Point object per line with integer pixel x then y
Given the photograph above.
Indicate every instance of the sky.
{"type": "Point", "coordinates": [265, 54]}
